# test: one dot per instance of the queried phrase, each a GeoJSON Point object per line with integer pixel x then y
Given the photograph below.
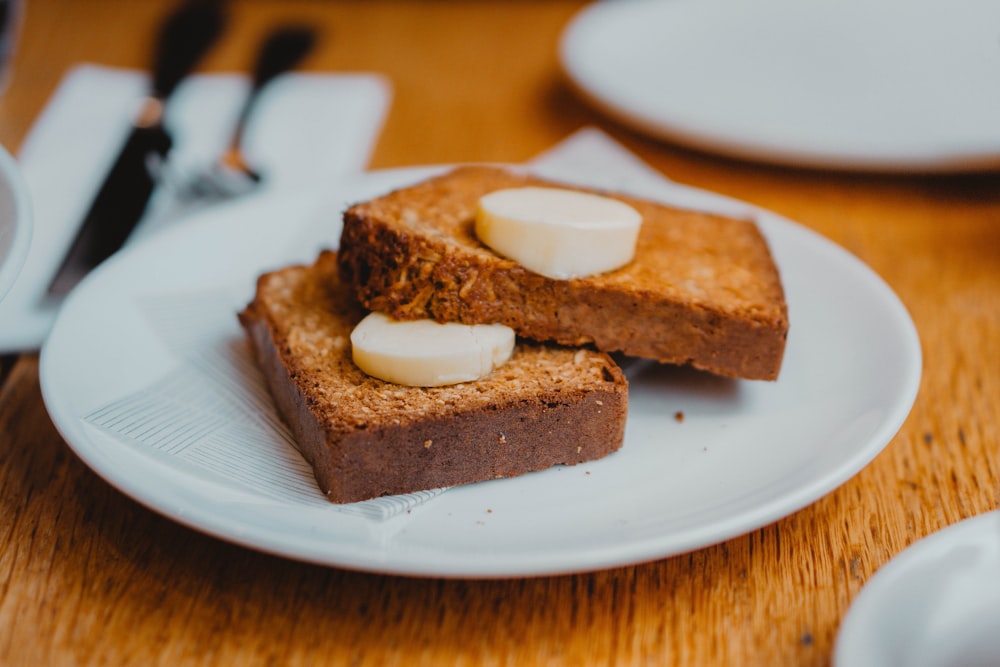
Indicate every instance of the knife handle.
{"type": "Point", "coordinates": [183, 38]}
{"type": "Point", "coordinates": [115, 210]}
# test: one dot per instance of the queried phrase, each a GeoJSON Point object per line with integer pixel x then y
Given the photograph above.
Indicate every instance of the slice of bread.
{"type": "Point", "coordinates": [365, 438]}
{"type": "Point", "coordinates": [702, 289]}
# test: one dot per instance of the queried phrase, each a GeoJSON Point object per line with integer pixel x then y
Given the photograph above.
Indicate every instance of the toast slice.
{"type": "Point", "coordinates": [702, 290]}
{"type": "Point", "coordinates": [366, 438]}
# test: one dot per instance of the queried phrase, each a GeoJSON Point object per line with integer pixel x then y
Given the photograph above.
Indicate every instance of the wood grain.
{"type": "Point", "coordinates": [88, 577]}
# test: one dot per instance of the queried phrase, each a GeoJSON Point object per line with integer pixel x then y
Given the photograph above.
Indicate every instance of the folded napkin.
{"type": "Point", "coordinates": [211, 411]}
{"type": "Point", "coordinates": [306, 129]}
{"type": "Point", "coordinates": [590, 157]}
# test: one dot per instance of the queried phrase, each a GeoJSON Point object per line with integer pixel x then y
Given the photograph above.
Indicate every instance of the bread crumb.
{"type": "Point", "coordinates": [579, 449]}
{"type": "Point", "coordinates": [679, 416]}
{"type": "Point", "coordinates": [503, 439]}
{"type": "Point", "coordinates": [466, 288]}
{"type": "Point", "coordinates": [428, 443]}
{"type": "Point", "coordinates": [599, 402]}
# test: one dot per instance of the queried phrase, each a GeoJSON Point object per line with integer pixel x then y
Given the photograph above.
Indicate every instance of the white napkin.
{"type": "Point", "coordinates": [592, 158]}
{"type": "Point", "coordinates": [306, 130]}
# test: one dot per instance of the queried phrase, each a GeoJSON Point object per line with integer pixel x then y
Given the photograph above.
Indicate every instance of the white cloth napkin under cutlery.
{"type": "Point", "coordinates": [306, 129]}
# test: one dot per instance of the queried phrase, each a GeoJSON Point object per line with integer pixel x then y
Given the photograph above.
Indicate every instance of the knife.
{"type": "Point", "coordinates": [184, 37]}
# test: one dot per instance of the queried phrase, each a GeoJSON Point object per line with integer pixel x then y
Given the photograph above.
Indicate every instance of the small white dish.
{"type": "Point", "coordinates": [15, 222]}
{"type": "Point", "coordinates": [937, 604]}
{"type": "Point", "coordinates": [893, 85]}
{"type": "Point", "coordinates": [136, 331]}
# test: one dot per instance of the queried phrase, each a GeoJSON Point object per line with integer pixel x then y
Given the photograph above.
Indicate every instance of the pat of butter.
{"type": "Point", "coordinates": [560, 234]}
{"type": "Point", "coordinates": [424, 353]}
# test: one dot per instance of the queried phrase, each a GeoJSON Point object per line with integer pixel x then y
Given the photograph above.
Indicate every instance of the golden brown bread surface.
{"type": "Point", "coordinates": [366, 438]}
{"type": "Point", "coordinates": [702, 290]}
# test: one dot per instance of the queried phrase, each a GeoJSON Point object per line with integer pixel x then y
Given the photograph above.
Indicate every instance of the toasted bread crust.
{"type": "Point", "coordinates": [702, 290]}
{"type": "Point", "coordinates": [366, 438]}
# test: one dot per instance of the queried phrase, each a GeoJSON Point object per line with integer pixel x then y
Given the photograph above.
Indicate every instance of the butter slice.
{"type": "Point", "coordinates": [425, 353]}
{"type": "Point", "coordinates": [558, 233]}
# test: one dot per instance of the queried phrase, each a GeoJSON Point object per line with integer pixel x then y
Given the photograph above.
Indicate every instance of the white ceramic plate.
{"type": "Point", "coordinates": [895, 85]}
{"type": "Point", "coordinates": [15, 222]}
{"type": "Point", "coordinates": [936, 604]}
{"type": "Point", "coordinates": [744, 455]}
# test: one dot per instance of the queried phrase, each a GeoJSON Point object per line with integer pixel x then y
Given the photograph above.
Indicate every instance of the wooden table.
{"type": "Point", "coordinates": [87, 576]}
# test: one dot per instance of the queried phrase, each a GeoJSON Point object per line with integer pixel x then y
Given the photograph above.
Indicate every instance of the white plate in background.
{"type": "Point", "coordinates": [744, 455]}
{"type": "Point", "coordinates": [893, 85]}
{"type": "Point", "coordinates": [937, 604]}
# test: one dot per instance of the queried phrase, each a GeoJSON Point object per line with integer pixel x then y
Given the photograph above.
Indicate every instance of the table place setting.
{"type": "Point", "coordinates": [306, 130]}
{"type": "Point", "coordinates": [164, 503]}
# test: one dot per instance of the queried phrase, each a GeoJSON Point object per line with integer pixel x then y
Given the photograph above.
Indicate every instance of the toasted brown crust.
{"type": "Point", "coordinates": [702, 290]}
{"type": "Point", "coordinates": [366, 438]}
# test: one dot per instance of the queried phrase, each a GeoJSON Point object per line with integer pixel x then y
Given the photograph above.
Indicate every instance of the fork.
{"type": "Point", "coordinates": [233, 174]}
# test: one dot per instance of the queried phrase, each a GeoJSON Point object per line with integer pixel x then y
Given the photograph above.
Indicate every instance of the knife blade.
{"type": "Point", "coordinates": [184, 37]}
